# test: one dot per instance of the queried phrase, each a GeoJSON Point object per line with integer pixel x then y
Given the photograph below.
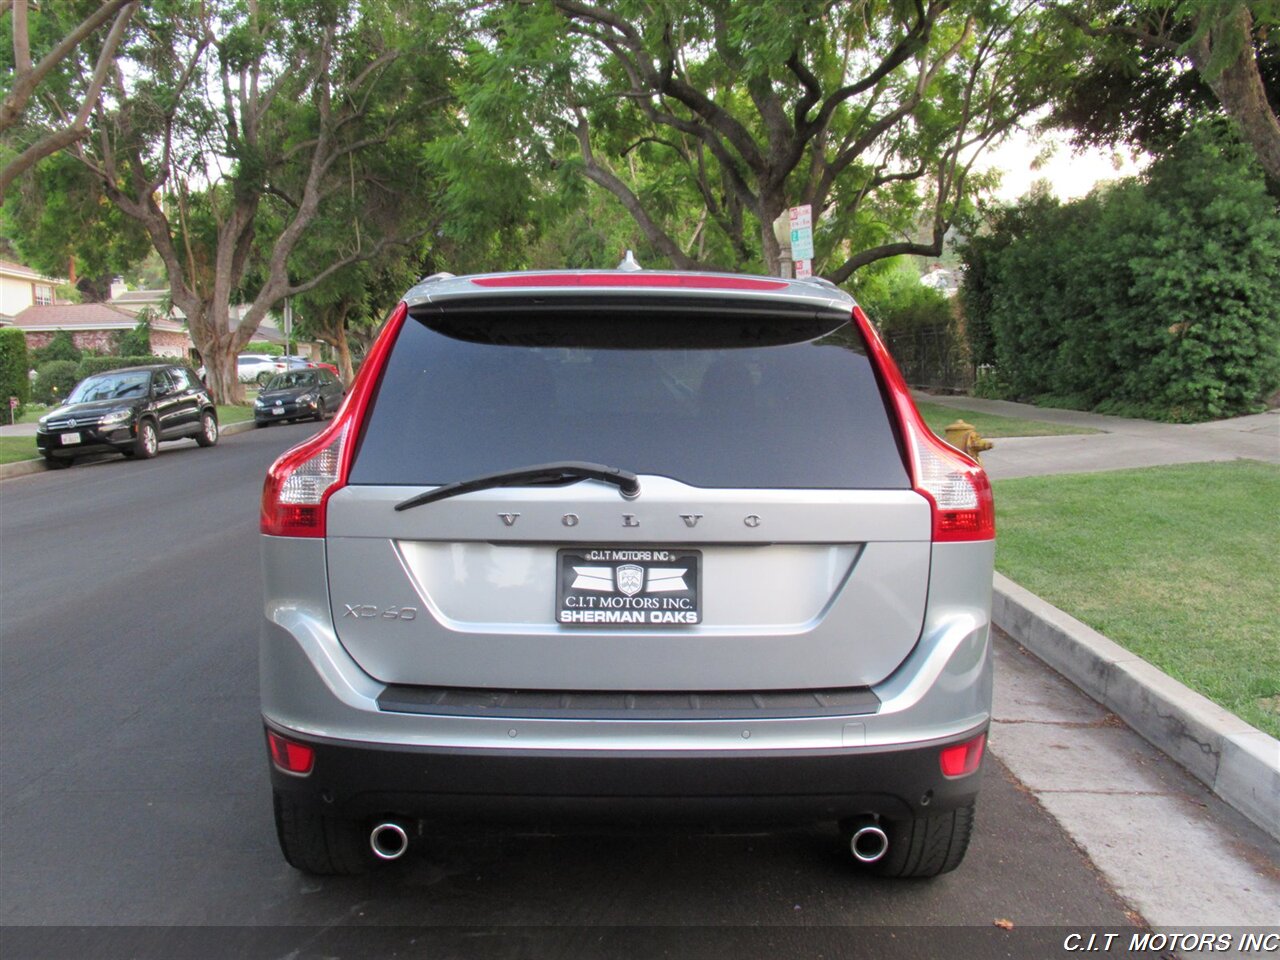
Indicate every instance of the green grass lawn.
{"type": "Point", "coordinates": [939, 417]}
{"type": "Point", "coordinates": [14, 449]}
{"type": "Point", "coordinates": [32, 412]}
{"type": "Point", "coordinates": [233, 414]}
{"type": "Point", "coordinates": [1180, 565]}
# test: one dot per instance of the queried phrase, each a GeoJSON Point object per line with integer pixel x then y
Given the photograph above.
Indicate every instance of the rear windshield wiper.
{"type": "Point", "coordinates": [564, 471]}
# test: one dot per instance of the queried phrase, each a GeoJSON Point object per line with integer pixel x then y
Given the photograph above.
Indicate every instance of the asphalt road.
{"type": "Point", "coordinates": [135, 807]}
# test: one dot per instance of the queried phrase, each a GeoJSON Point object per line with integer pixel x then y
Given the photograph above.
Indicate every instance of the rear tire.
{"type": "Point", "coordinates": [926, 846]}
{"type": "Point", "coordinates": [319, 844]}
{"type": "Point", "coordinates": [208, 434]}
{"type": "Point", "coordinates": [148, 441]}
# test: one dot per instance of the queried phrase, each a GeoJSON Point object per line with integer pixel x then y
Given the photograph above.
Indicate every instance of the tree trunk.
{"type": "Point", "coordinates": [220, 373]}
{"type": "Point", "coordinates": [344, 354]}
{"type": "Point", "coordinates": [219, 345]}
{"type": "Point", "coordinates": [773, 207]}
{"type": "Point", "coordinates": [1240, 90]}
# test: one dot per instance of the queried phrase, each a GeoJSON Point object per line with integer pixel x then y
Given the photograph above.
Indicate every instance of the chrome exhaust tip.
{"type": "Point", "coordinates": [389, 841]}
{"type": "Point", "coordinates": [869, 844]}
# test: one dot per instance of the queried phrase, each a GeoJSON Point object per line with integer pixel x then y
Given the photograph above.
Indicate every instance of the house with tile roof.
{"type": "Point", "coordinates": [95, 326]}
{"type": "Point", "coordinates": [22, 287]}
{"type": "Point", "coordinates": [158, 301]}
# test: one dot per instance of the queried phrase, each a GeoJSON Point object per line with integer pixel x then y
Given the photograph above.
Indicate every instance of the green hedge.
{"type": "Point", "coordinates": [14, 369]}
{"type": "Point", "coordinates": [1157, 297]}
{"type": "Point", "coordinates": [135, 342]}
{"type": "Point", "coordinates": [54, 381]}
{"type": "Point", "coordinates": [91, 365]}
{"type": "Point", "coordinates": [60, 347]}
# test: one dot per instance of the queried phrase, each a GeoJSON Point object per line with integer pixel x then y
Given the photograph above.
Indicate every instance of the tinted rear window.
{"type": "Point", "coordinates": [712, 401]}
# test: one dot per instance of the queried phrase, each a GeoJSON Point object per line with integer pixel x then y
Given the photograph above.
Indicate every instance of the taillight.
{"type": "Point", "coordinates": [962, 759]}
{"type": "Point", "coordinates": [300, 482]}
{"type": "Point", "coordinates": [295, 758]}
{"type": "Point", "coordinates": [955, 485]}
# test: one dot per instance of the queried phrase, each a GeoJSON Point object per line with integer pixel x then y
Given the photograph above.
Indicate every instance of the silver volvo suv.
{"type": "Point", "coordinates": [624, 546]}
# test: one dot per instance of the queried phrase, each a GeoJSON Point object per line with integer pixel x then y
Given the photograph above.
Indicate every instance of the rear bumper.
{"type": "Point", "coordinates": [538, 786]}
{"type": "Point", "coordinates": [378, 757]}
{"type": "Point", "coordinates": [289, 411]}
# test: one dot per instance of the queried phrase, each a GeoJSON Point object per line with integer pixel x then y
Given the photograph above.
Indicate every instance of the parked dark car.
{"type": "Point", "coordinates": [130, 411]}
{"type": "Point", "coordinates": [311, 393]}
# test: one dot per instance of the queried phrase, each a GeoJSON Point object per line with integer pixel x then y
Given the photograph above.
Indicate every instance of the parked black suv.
{"type": "Point", "coordinates": [131, 411]}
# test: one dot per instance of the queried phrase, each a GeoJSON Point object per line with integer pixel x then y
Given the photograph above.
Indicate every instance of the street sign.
{"type": "Point", "coordinates": [804, 268]}
{"type": "Point", "coordinates": [802, 233]}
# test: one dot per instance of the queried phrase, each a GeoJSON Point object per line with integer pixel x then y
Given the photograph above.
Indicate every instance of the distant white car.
{"type": "Point", "coordinates": [258, 367]}
{"type": "Point", "coordinates": [261, 367]}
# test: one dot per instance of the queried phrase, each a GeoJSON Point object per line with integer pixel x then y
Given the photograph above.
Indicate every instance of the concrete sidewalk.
{"type": "Point", "coordinates": [1123, 443]}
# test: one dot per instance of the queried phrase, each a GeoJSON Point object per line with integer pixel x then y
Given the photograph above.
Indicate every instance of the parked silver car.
{"type": "Point", "coordinates": [626, 545]}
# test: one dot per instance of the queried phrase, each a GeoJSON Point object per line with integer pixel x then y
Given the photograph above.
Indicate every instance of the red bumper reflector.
{"type": "Point", "coordinates": [289, 756]}
{"type": "Point", "coordinates": [963, 758]}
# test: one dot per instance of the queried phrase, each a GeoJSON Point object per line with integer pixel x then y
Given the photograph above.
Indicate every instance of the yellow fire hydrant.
{"type": "Point", "coordinates": [964, 437]}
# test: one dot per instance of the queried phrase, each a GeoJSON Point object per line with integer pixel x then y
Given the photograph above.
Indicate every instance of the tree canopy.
{"type": "Point", "coordinates": [237, 129]}
{"type": "Point", "coordinates": [707, 121]}
{"type": "Point", "coordinates": [333, 151]}
{"type": "Point", "coordinates": [1160, 65]}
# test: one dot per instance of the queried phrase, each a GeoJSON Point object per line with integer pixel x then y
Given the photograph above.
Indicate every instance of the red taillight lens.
{"type": "Point", "coordinates": [963, 508]}
{"type": "Point", "coordinates": [953, 482]}
{"type": "Point", "coordinates": [300, 482]}
{"type": "Point", "coordinates": [290, 757]}
{"type": "Point", "coordinates": [963, 758]}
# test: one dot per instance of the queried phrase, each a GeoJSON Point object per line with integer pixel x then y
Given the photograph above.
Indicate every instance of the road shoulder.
{"type": "Point", "coordinates": [1179, 854]}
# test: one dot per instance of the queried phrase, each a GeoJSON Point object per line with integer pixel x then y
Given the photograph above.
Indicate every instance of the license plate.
{"type": "Point", "coordinates": [277, 410]}
{"type": "Point", "coordinates": [70, 438]}
{"type": "Point", "coordinates": [628, 587]}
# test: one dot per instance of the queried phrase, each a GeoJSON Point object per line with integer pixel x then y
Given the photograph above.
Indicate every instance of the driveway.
{"type": "Point", "coordinates": [1123, 442]}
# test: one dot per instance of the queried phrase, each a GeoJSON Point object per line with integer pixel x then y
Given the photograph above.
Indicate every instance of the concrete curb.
{"type": "Point", "coordinates": [21, 469]}
{"type": "Point", "coordinates": [1240, 763]}
{"type": "Point", "coordinates": [25, 468]}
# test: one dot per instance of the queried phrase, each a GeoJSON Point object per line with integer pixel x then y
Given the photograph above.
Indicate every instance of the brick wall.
{"type": "Point", "coordinates": [164, 343]}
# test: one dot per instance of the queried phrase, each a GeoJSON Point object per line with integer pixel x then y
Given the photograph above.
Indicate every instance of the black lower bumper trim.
{"type": "Point", "coordinates": [625, 705]}
{"type": "Point", "coordinates": [537, 786]}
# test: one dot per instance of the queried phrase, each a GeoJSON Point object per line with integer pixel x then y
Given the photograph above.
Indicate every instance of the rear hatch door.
{"type": "Point", "coordinates": [775, 543]}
